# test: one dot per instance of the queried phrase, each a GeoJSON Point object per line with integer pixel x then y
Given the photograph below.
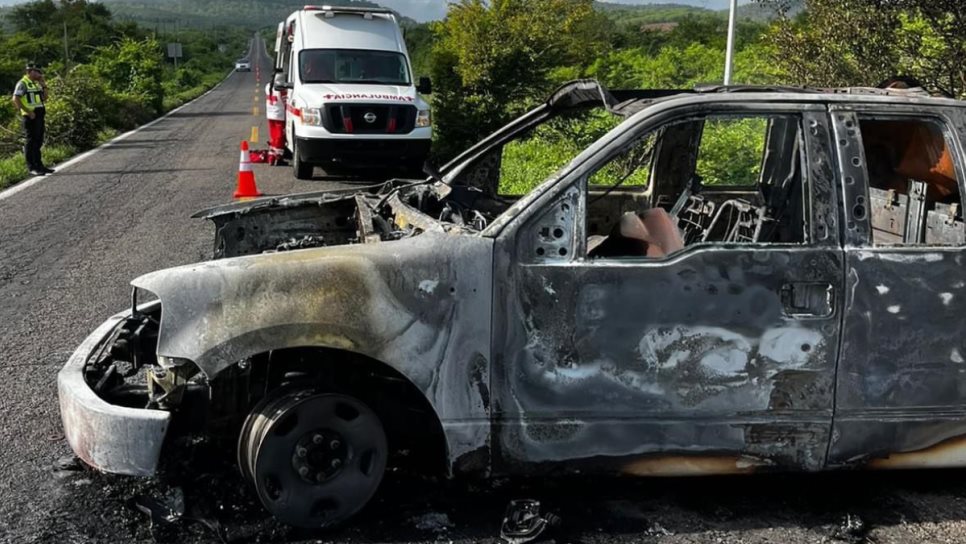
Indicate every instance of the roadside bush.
{"type": "Point", "coordinates": [74, 110]}
{"type": "Point", "coordinates": [530, 160]}
{"type": "Point", "coordinates": [128, 112]}
{"type": "Point", "coordinates": [133, 68]}
{"type": "Point", "coordinates": [11, 139]}
{"type": "Point", "coordinates": [187, 78]}
{"type": "Point", "coordinates": [172, 101]}
{"type": "Point", "coordinates": [731, 151]}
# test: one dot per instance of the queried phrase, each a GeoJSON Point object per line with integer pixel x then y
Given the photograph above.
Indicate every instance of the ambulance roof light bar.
{"type": "Point", "coordinates": [331, 11]}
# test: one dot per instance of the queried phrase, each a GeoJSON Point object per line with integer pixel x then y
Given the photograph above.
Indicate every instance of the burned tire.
{"type": "Point", "coordinates": [303, 170]}
{"type": "Point", "coordinates": [315, 459]}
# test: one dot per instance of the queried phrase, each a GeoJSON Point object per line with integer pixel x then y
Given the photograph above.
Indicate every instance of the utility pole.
{"type": "Point", "coordinates": [66, 56]}
{"type": "Point", "coordinates": [730, 54]}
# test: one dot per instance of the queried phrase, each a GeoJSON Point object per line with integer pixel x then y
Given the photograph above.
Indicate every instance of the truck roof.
{"type": "Point", "coordinates": [324, 27]}
{"type": "Point", "coordinates": [755, 93]}
{"type": "Point", "coordinates": [589, 92]}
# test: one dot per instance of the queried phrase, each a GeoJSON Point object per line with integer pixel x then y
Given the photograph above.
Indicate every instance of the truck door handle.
{"type": "Point", "coordinates": [808, 299]}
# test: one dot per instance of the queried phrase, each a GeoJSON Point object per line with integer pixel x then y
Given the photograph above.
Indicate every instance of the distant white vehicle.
{"type": "Point", "coordinates": [243, 66]}
{"type": "Point", "coordinates": [352, 98]}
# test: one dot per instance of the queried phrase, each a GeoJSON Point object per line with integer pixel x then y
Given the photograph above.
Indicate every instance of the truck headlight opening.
{"type": "Point", "coordinates": [423, 119]}
{"type": "Point", "coordinates": [312, 116]}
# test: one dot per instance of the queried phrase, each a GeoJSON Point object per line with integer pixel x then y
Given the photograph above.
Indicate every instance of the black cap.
{"type": "Point", "coordinates": [32, 66]}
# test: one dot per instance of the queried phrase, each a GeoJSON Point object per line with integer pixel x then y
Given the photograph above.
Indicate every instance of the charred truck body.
{"type": "Point", "coordinates": [648, 309]}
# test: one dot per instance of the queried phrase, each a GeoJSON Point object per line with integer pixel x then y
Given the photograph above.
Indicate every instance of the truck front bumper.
{"type": "Point", "coordinates": [364, 151]}
{"type": "Point", "coordinates": [110, 438]}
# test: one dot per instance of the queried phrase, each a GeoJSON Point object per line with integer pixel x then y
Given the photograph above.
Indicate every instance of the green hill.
{"type": "Point", "coordinates": [657, 14]}
{"type": "Point", "coordinates": [172, 14]}
{"type": "Point", "coordinates": [648, 14]}
{"type": "Point", "coordinates": [254, 14]}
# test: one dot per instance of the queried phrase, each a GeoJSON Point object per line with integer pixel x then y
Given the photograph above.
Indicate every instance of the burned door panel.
{"type": "Point", "coordinates": [719, 359]}
{"type": "Point", "coordinates": [902, 377]}
{"type": "Point", "coordinates": [694, 357]}
{"type": "Point", "coordinates": [901, 391]}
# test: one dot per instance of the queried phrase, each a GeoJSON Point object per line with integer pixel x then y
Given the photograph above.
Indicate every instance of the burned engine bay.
{"type": "Point", "coordinates": [125, 369]}
{"type": "Point", "coordinates": [389, 211]}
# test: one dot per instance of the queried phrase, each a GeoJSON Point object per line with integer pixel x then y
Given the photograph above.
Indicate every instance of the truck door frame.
{"type": "Point", "coordinates": [901, 386]}
{"type": "Point", "coordinates": [529, 426]}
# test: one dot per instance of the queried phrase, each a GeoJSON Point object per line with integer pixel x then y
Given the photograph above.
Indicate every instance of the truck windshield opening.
{"type": "Point", "coordinates": [353, 66]}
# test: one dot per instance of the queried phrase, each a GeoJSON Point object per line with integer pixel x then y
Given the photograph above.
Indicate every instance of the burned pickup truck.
{"type": "Point", "coordinates": [724, 280]}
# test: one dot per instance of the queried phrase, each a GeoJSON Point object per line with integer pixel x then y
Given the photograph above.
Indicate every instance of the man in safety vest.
{"type": "Point", "coordinates": [29, 96]}
{"type": "Point", "coordinates": [275, 112]}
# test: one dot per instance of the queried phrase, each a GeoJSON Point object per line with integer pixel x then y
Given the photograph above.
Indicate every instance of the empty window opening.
{"type": "Point", "coordinates": [914, 195]}
{"type": "Point", "coordinates": [726, 179]}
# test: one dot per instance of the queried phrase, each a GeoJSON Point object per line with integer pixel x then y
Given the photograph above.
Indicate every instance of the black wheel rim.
{"type": "Point", "coordinates": [257, 419]}
{"type": "Point", "coordinates": [315, 459]}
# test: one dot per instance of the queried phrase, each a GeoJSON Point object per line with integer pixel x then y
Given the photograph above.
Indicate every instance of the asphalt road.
{"type": "Point", "coordinates": [70, 244]}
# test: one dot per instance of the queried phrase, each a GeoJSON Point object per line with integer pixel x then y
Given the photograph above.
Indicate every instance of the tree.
{"type": "Point", "coordinates": [492, 58]}
{"type": "Point", "coordinates": [132, 67]}
{"type": "Point", "coordinates": [419, 42]}
{"type": "Point", "coordinates": [862, 42]}
{"type": "Point", "coordinates": [932, 43]}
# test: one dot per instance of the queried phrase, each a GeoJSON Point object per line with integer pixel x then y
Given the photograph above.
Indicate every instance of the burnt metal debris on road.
{"type": "Point", "coordinates": [523, 522]}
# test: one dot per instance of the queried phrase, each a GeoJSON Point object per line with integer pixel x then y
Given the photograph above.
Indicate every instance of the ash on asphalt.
{"type": "Point", "coordinates": [219, 506]}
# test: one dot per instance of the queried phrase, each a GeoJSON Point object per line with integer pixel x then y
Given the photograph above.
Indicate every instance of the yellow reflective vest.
{"type": "Point", "coordinates": [33, 98]}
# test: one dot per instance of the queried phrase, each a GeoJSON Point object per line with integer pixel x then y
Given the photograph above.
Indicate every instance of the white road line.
{"type": "Point", "coordinates": [87, 154]}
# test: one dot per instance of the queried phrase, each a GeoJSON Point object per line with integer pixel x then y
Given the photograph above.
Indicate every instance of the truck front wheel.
{"type": "Point", "coordinates": [315, 459]}
{"type": "Point", "coordinates": [303, 170]}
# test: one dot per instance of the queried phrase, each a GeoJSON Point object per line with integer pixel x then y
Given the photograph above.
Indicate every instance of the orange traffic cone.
{"type": "Point", "coordinates": [246, 177]}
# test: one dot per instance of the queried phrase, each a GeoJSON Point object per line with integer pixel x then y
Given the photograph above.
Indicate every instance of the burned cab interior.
{"type": "Point", "coordinates": [729, 178]}
{"type": "Point", "coordinates": [914, 194]}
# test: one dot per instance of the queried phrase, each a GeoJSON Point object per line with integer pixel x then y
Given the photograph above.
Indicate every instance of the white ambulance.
{"type": "Point", "coordinates": [352, 98]}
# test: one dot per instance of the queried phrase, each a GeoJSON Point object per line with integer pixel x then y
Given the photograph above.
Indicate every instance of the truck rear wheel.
{"type": "Point", "coordinates": [303, 170]}
{"type": "Point", "coordinates": [315, 459]}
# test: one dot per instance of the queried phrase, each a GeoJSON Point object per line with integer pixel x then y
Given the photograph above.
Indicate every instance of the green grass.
{"type": "Point", "coordinates": [530, 162]}
{"type": "Point", "coordinates": [14, 169]}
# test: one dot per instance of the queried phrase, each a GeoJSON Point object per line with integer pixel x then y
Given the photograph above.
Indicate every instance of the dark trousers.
{"type": "Point", "coordinates": [33, 130]}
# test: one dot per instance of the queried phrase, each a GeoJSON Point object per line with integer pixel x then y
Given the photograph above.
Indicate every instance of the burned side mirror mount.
{"type": "Point", "coordinates": [430, 170]}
